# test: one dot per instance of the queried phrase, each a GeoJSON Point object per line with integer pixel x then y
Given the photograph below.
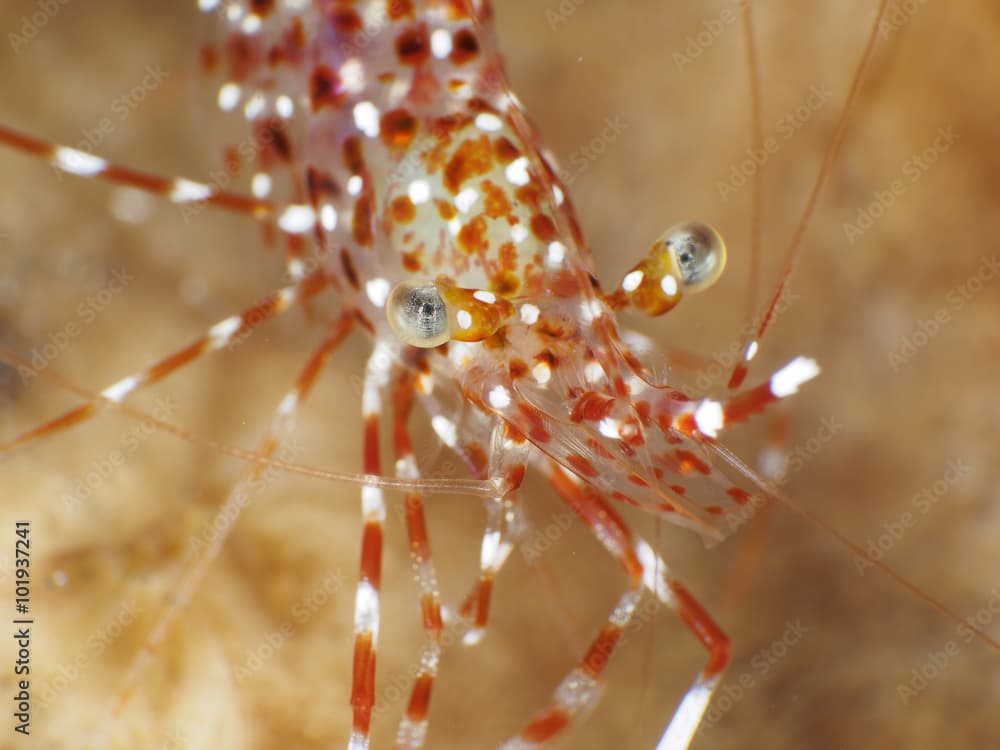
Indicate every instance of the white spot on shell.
{"type": "Point", "coordinates": [710, 417]}
{"type": "Point", "coordinates": [297, 219]}
{"type": "Point", "coordinates": [466, 199]}
{"type": "Point", "coordinates": [440, 43]}
{"type": "Point", "coordinates": [354, 185]}
{"type": "Point", "coordinates": [419, 191]}
{"type": "Point", "coordinates": [489, 122]}
{"type": "Point", "coordinates": [632, 281]}
{"type": "Point", "coordinates": [557, 253]}
{"type": "Point", "coordinates": [378, 291]}
{"type": "Point", "coordinates": [669, 285]}
{"type": "Point", "coordinates": [328, 217]}
{"type": "Point", "coordinates": [517, 172]}
{"type": "Point", "coordinates": [464, 319]}
{"type": "Point", "coordinates": [366, 118]}
{"type": "Point", "coordinates": [483, 296]}
{"type": "Point", "coordinates": [260, 185]}
{"type": "Point", "coordinates": [229, 96]}
{"type": "Point", "coordinates": [529, 314]}
{"type": "Point", "coordinates": [499, 397]}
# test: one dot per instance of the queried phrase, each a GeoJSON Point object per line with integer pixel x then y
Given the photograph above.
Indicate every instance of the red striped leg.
{"type": "Point", "coordinates": [175, 189]}
{"type": "Point", "coordinates": [227, 515]}
{"type": "Point", "coordinates": [413, 726]}
{"type": "Point", "coordinates": [294, 220]}
{"type": "Point", "coordinates": [581, 688]}
{"type": "Point", "coordinates": [504, 524]}
{"type": "Point", "coordinates": [710, 417]}
{"type": "Point", "coordinates": [366, 606]}
{"type": "Point", "coordinates": [218, 336]}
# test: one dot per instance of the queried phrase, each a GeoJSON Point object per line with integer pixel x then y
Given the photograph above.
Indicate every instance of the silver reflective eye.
{"type": "Point", "coordinates": [418, 315]}
{"type": "Point", "coordinates": [698, 252]}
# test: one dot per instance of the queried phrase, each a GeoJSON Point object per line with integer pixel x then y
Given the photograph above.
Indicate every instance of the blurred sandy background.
{"type": "Point", "coordinates": [682, 127]}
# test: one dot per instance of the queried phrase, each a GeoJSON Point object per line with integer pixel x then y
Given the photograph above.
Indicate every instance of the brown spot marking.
{"type": "Point", "coordinates": [273, 137]}
{"type": "Point", "coordinates": [495, 201]}
{"type": "Point", "coordinates": [242, 54]}
{"type": "Point", "coordinates": [354, 158]}
{"type": "Point", "coordinates": [413, 262]}
{"type": "Point", "coordinates": [517, 369]}
{"type": "Point", "coordinates": [361, 226]}
{"type": "Point", "coordinates": [464, 46]}
{"type": "Point", "coordinates": [472, 236]}
{"type": "Point", "coordinates": [398, 127]}
{"type": "Point", "coordinates": [505, 283]}
{"type": "Point", "coordinates": [543, 227]}
{"type": "Point", "coordinates": [324, 88]}
{"type": "Point", "coordinates": [592, 407]}
{"type": "Point", "coordinates": [350, 273]}
{"type": "Point", "coordinates": [397, 9]}
{"type": "Point", "coordinates": [262, 8]}
{"type": "Point", "coordinates": [690, 462]}
{"type": "Point", "coordinates": [319, 183]}
{"type": "Point", "coordinates": [413, 45]}
{"type": "Point", "coordinates": [209, 58]}
{"type": "Point", "coordinates": [346, 21]}
{"type": "Point", "coordinates": [477, 457]}
{"type": "Point", "coordinates": [546, 356]}
{"type": "Point", "coordinates": [403, 210]}
{"type": "Point", "coordinates": [505, 150]}
{"type": "Point", "coordinates": [582, 465]}
{"type": "Point", "coordinates": [471, 159]}
{"type": "Point", "coordinates": [715, 510]}
{"type": "Point", "coordinates": [739, 494]}
{"type": "Point", "coordinates": [446, 209]}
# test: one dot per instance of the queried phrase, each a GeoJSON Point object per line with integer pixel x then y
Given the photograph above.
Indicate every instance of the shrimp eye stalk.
{"type": "Point", "coordinates": [427, 314]}
{"type": "Point", "coordinates": [688, 257]}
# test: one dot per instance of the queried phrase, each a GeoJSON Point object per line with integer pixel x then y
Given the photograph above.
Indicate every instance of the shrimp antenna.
{"type": "Point", "coordinates": [474, 487]}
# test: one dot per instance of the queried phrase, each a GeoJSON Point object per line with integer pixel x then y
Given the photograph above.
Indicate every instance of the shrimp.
{"type": "Point", "coordinates": [144, 558]}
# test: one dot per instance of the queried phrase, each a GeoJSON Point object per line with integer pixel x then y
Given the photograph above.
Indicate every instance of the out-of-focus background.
{"type": "Point", "coordinates": [645, 105]}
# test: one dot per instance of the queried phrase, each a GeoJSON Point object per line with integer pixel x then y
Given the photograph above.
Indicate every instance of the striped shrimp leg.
{"type": "Point", "coordinates": [366, 607]}
{"type": "Point", "coordinates": [219, 336]}
{"type": "Point", "coordinates": [582, 687]}
{"type": "Point", "coordinates": [412, 730]}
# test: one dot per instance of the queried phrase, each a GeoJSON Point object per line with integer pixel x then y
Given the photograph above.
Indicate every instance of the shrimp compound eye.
{"type": "Point", "coordinates": [698, 254]}
{"type": "Point", "coordinates": [418, 314]}
{"type": "Point", "coordinates": [688, 257]}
